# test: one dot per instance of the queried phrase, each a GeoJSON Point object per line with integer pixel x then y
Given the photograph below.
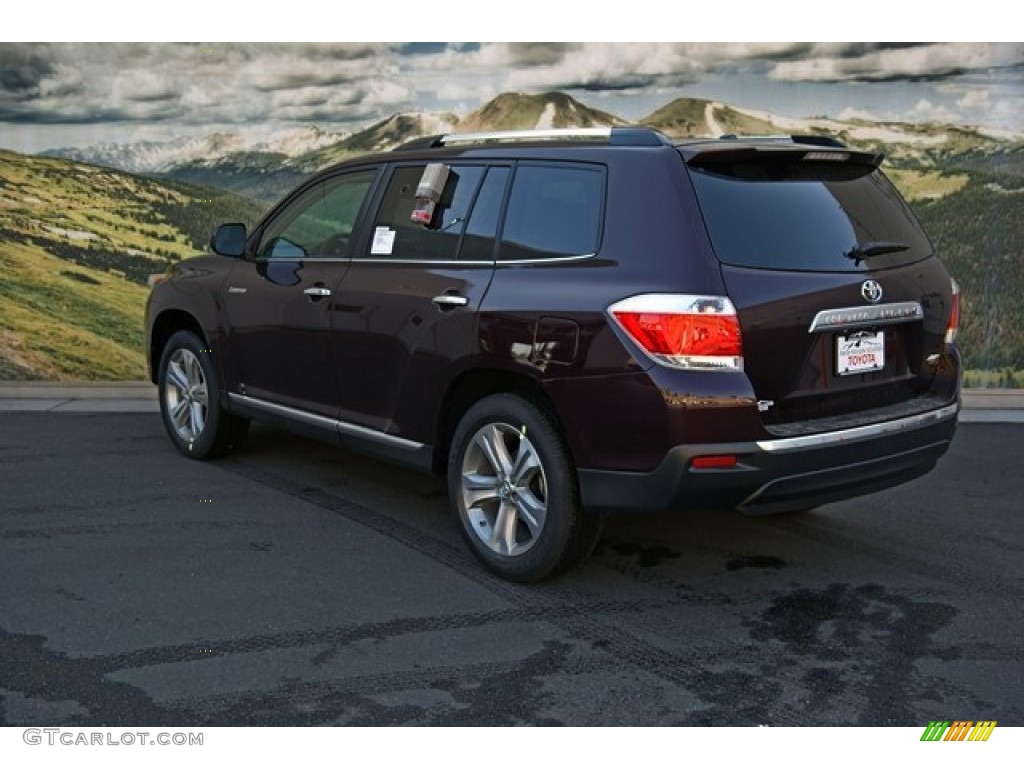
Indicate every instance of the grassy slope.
{"type": "Point", "coordinates": [76, 244]}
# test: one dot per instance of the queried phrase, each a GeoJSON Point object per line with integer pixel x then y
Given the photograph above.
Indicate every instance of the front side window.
{"type": "Point", "coordinates": [396, 235]}
{"type": "Point", "coordinates": [320, 222]}
{"type": "Point", "coordinates": [553, 211]}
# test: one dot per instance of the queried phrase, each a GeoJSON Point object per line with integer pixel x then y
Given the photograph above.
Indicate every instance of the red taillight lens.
{"type": "Point", "coordinates": [683, 331]}
{"type": "Point", "coordinates": [954, 314]}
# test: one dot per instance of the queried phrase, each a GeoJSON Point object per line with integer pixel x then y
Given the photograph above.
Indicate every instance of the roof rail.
{"type": "Point", "coordinates": [543, 134]}
{"type": "Point", "coordinates": [818, 141]}
{"type": "Point", "coordinates": [624, 136]}
{"type": "Point", "coordinates": [423, 142]}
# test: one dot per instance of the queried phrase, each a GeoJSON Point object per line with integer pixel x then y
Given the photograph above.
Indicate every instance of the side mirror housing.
{"type": "Point", "coordinates": [229, 240]}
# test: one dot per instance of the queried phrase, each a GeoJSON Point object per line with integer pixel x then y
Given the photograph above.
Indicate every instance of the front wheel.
{"type": "Point", "coordinates": [190, 400]}
{"type": "Point", "coordinates": [514, 489]}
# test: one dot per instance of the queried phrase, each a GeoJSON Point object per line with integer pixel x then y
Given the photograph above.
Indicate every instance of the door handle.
{"type": "Point", "coordinates": [447, 300]}
{"type": "Point", "coordinates": [317, 291]}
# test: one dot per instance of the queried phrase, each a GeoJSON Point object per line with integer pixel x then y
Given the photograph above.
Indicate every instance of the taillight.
{"type": "Point", "coordinates": [954, 314]}
{"type": "Point", "coordinates": [683, 331]}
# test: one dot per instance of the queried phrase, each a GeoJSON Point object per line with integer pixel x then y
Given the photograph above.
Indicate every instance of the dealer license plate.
{"type": "Point", "coordinates": [860, 353]}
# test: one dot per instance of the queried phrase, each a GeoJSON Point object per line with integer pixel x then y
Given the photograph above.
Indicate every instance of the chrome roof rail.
{"type": "Point", "coordinates": [542, 134]}
{"type": "Point", "coordinates": [620, 135]}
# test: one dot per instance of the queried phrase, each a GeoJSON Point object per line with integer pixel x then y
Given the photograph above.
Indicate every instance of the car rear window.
{"type": "Point", "coordinates": [806, 216]}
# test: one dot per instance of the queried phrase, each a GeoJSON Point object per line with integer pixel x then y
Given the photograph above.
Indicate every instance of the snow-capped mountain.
{"type": "Point", "coordinates": [164, 156]}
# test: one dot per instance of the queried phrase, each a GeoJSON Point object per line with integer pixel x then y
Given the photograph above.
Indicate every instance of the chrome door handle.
{"type": "Point", "coordinates": [237, 291]}
{"type": "Point", "coordinates": [448, 300]}
{"type": "Point", "coordinates": [317, 291]}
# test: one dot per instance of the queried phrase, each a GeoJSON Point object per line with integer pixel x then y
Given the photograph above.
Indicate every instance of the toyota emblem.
{"type": "Point", "coordinates": [871, 291]}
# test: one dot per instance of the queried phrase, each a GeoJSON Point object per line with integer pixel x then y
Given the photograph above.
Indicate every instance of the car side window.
{"type": "Point", "coordinates": [397, 236]}
{"type": "Point", "coordinates": [482, 227]}
{"type": "Point", "coordinates": [320, 222]}
{"type": "Point", "coordinates": [553, 211]}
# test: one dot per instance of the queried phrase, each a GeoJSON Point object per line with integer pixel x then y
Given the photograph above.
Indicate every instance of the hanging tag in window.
{"type": "Point", "coordinates": [429, 192]}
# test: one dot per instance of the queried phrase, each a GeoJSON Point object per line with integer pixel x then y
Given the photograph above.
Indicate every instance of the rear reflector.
{"type": "Point", "coordinates": [713, 462]}
{"type": "Point", "coordinates": [682, 330]}
{"type": "Point", "coordinates": [954, 314]}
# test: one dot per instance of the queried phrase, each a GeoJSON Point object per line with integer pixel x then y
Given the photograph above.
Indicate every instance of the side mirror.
{"type": "Point", "coordinates": [229, 240]}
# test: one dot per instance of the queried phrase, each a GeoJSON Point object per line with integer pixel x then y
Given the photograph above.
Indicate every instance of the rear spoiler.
{"type": "Point", "coordinates": [776, 151]}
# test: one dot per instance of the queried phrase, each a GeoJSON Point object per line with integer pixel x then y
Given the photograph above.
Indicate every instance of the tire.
{"type": "Point", "coordinates": [514, 490]}
{"type": "Point", "coordinates": [190, 400]}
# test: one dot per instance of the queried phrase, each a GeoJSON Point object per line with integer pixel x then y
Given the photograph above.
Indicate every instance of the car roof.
{"type": "Point", "coordinates": [548, 143]}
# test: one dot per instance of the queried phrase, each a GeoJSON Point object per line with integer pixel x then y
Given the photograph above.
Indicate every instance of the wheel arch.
{"type": "Point", "coordinates": [166, 324]}
{"type": "Point", "coordinates": [472, 386]}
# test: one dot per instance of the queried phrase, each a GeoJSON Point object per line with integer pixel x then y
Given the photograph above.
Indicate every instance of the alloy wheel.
{"type": "Point", "coordinates": [185, 395]}
{"type": "Point", "coordinates": [504, 489]}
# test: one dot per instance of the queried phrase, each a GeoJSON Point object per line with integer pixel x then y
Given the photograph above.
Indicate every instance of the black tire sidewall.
{"type": "Point", "coordinates": [547, 556]}
{"type": "Point", "coordinates": [207, 440]}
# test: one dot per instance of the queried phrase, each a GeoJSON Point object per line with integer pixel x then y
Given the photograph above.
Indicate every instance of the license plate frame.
{"type": "Point", "coordinates": [860, 352]}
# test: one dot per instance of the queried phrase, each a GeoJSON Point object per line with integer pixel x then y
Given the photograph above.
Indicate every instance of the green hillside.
{"type": "Point", "coordinates": [979, 232]}
{"type": "Point", "coordinates": [262, 176]}
{"type": "Point", "coordinates": [76, 245]}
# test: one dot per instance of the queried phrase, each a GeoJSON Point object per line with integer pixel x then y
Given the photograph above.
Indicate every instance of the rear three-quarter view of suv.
{"type": "Point", "coordinates": [576, 322]}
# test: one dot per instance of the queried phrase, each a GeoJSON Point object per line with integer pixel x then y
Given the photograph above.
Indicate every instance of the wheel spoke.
{"type": "Point", "coordinates": [526, 464]}
{"type": "Point", "coordinates": [503, 534]}
{"type": "Point", "coordinates": [200, 396]}
{"type": "Point", "coordinates": [492, 443]}
{"type": "Point", "coordinates": [177, 377]}
{"type": "Point", "coordinates": [477, 487]}
{"type": "Point", "coordinates": [198, 418]}
{"type": "Point", "coordinates": [195, 373]}
{"type": "Point", "coordinates": [180, 414]}
{"type": "Point", "coordinates": [531, 510]}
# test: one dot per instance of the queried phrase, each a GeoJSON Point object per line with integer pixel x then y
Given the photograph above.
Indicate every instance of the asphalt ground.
{"type": "Point", "coordinates": [299, 584]}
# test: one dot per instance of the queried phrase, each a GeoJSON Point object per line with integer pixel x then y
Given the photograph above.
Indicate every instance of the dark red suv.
{"type": "Point", "coordinates": [569, 323]}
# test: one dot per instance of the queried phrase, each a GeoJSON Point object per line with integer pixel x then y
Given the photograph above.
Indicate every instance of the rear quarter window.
{"type": "Point", "coordinates": [553, 211]}
{"type": "Point", "coordinates": [805, 216]}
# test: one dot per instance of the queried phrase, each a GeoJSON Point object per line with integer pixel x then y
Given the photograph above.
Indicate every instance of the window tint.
{"type": "Point", "coordinates": [397, 235]}
{"type": "Point", "coordinates": [319, 223]}
{"type": "Point", "coordinates": [478, 241]}
{"type": "Point", "coordinates": [805, 216]}
{"type": "Point", "coordinates": [553, 211]}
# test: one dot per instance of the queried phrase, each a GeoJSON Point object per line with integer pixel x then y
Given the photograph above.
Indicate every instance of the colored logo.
{"type": "Point", "coordinates": [871, 290]}
{"type": "Point", "coordinates": [958, 730]}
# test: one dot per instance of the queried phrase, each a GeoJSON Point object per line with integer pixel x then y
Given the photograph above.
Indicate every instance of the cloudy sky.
{"type": "Point", "coordinates": [85, 93]}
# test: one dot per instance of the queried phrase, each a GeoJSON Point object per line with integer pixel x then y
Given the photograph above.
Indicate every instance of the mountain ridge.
{"type": "Point", "coordinates": [310, 148]}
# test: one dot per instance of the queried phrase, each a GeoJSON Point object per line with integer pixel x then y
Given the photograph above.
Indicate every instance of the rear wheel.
{"type": "Point", "coordinates": [514, 489]}
{"type": "Point", "coordinates": [190, 400]}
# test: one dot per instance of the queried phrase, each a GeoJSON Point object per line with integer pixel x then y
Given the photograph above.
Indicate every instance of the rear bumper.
{"type": "Point", "coordinates": [781, 475]}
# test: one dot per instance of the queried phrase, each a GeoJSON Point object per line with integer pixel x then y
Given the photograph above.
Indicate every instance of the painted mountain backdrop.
{"type": "Point", "coordinates": [81, 227]}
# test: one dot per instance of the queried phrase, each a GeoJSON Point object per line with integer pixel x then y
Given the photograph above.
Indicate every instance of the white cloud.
{"type": "Point", "coordinates": [976, 98]}
{"type": "Point", "coordinates": [170, 85]}
{"type": "Point", "coordinates": [926, 111]}
{"type": "Point", "coordinates": [937, 60]}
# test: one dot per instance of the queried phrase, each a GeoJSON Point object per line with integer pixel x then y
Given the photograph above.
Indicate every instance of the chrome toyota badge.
{"type": "Point", "coordinates": [871, 291]}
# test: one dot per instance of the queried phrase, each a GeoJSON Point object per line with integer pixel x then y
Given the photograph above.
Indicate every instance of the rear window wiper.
{"type": "Point", "coordinates": [871, 248]}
